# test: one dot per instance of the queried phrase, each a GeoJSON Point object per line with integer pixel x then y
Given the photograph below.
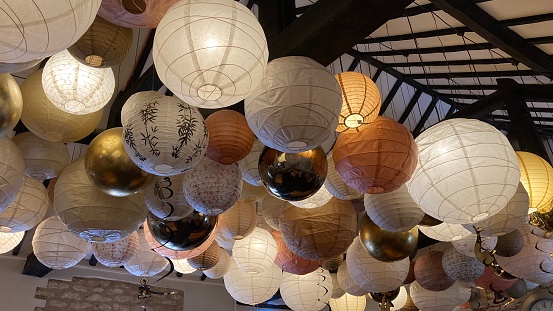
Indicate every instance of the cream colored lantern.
{"type": "Point", "coordinates": [222, 266]}
{"type": "Point", "coordinates": [9, 241]}
{"type": "Point", "coordinates": [207, 259]}
{"type": "Point", "coordinates": [347, 283]}
{"type": "Point", "coordinates": [252, 289]}
{"type": "Point", "coordinates": [348, 303]}
{"type": "Point", "coordinates": [12, 170]}
{"type": "Point", "coordinates": [223, 241]}
{"type": "Point", "coordinates": [444, 300]}
{"type": "Point", "coordinates": [400, 300]}
{"type": "Point", "coordinates": [337, 291]}
{"type": "Point", "coordinates": [248, 165]}
{"type": "Point", "coordinates": [27, 210]}
{"type": "Point", "coordinates": [145, 262]}
{"type": "Point", "coordinates": [445, 232]}
{"type": "Point", "coordinates": [18, 67]}
{"type": "Point", "coordinates": [318, 199]}
{"type": "Point", "coordinates": [43, 159]}
{"type": "Point", "coordinates": [165, 199]}
{"type": "Point", "coordinates": [117, 253]}
{"type": "Point", "coordinates": [252, 193]}
{"type": "Point", "coordinates": [182, 266]}
{"type": "Point", "coordinates": [271, 207]}
{"type": "Point", "coordinates": [239, 221]}
{"type": "Point", "coordinates": [336, 186]}
{"type": "Point", "coordinates": [536, 174]}
{"type": "Point", "coordinates": [256, 252]}
{"type": "Point", "coordinates": [309, 292]}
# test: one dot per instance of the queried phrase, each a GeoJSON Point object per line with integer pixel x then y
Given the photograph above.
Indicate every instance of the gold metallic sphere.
{"type": "Point", "coordinates": [386, 245]}
{"type": "Point", "coordinates": [110, 168]}
{"type": "Point", "coordinates": [11, 103]}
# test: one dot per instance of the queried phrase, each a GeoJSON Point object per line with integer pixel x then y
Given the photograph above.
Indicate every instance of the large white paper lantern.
{"type": "Point", "coordinates": [56, 247]}
{"type": "Point", "coordinates": [348, 303]}
{"type": "Point", "coordinates": [427, 300]}
{"type": "Point", "coordinates": [239, 221]}
{"type": "Point", "coordinates": [319, 198]}
{"type": "Point", "coordinates": [43, 159]}
{"type": "Point", "coordinates": [256, 252]}
{"type": "Point", "coordinates": [252, 289]}
{"type": "Point", "coordinates": [76, 88]}
{"type": "Point", "coordinates": [271, 207]}
{"type": "Point", "coordinates": [165, 199]}
{"type": "Point", "coordinates": [309, 292]}
{"type": "Point", "coordinates": [347, 283]}
{"type": "Point", "coordinates": [222, 266]}
{"type": "Point", "coordinates": [445, 232]}
{"type": "Point", "coordinates": [145, 262]}
{"type": "Point", "coordinates": [336, 186]}
{"type": "Point", "coordinates": [33, 29]}
{"type": "Point", "coordinates": [400, 300]}
{"type": "Point", "coordinates": [212, 53]}
{"type": "Point", "coordinates": [9, 241]}
{"type": "Point", "coordinates": [163, 135]}
{"type": "Point", "coordinates": [12, 170]}
{"type": "Point", "coordinates": [536, 174]}
{"type": "Point", "coordinates": [18, 67]}
{"type": "Point", "coordinates": [223, 241]}
{"type": "Point", "coordinates": [460, 267]}
{"type": "Point", "coordinates": [466, 245]}
{"type": "Point", "coordinates": [467, 171]}
{"type": "Point", "coordinates": [248, 166]}
{"type": "Point", "coordinates": [27, 210]}
{"type": "Point", "coordinates": [296, 106]}
{"type": "Point", "coordinates": [117, 253]}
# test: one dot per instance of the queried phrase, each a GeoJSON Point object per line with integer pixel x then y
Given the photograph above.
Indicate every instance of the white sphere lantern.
{"type": "Point", "coordinates": [27, 210]}
{"type": "Point", "coordinates": [182, 266]}
{"type": "Point", "coordinates": [427, 300]}
{"type": "Point", "coordinates": [116, 254]}
{"type": "Point", "coordinates": [76, 88]}
{"type": "Point", "coordinates": [211, 54]}
{"type": "Point", "coordinates": [12, 170]}
{"type": "Point", "coordinates": [482, 171]}
{"type": "Point", "coordinates": [249, 288]}
{"type": "Point", "coordinates": [337, 291]}
{"type": "Point", "coordinates": [348, 303]}
{"type": "Point", "coordinates": [145, 262]}
{"type": "Point", "coordinates": [166, 200]}
{"type": "Point", "coordinates": [309, 292]}
{"type": "Point", "coordinates": [256, 252]}
{"type": "Point", "coordinates": [318, 199]}
{"type": "Point", "coordinates": [222, 266]}
{"type": "Point", "coordinates": [347, 283]}
{"type": "Point", "coordinates": [249, 167]}
{"type": "Point", "coordinates": [9, 241]}
{"type": "Point", "coordinates": [222, 240]}
{"type": "Point", "coordinates": [271, 207]}
{"type": "Point", "coordinates": [400, 300]}
{"type": "Point", "coordinates": [336, 186]}
{"type": "Point", "coordinates": [445, 232]}
{"type": "Point", "coordinates": [239, 221]}
{"type": "Point", "coordinates": [43, 159]}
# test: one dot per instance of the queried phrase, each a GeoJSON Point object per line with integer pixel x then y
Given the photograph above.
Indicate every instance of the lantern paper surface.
{"type": "Point", "coordinates": [239, 221]}
{"type": "Point", "coordinates": [400, 300]}
{"type": "Point", "coordinates": [309, 292]}
{"type": "Point", "coordinates": [230, 138]}
{"type": "Point", "coordinates": [165, 199]}
{"type": "Point", "coordinates": [253, 194]}
{"type": "Point", "coordinates": [427, 300]}
{"type": "Point", "coordinates": [145, 262]}
{"type": "Point", "coordinates": [509, 244]}
{"type": "Point", "coordinates": [347, 283]}
{"type": "Point", "coordinates": [537, 177]}
{"type": "Point", "coordinates": [252, 288]}
{"type": "Point", "coordinates": [271, 208]}
{"type": "Point", "coordinates": [445, 232]}
{"type": "Point", "coordinates": [430, 273]}
{"type": "Point", "coordinates": [318, 199]}
{"type": "Point", "coordinates": [348, 303]}
{"type": "Point", "coordinates": [27, 210]}
{"type": "Point", "coordinates": [248, 165]}
{"type": "Point", "coordinates": [12, 170]}
{"type": "Point", "coordinates": [336, 186]}
{"type": "Point", "coordinates": [491, 282]}
{"type": "Point", "coordinates": [222, 266]}
{"type": "Point", "coordinates": [18, 67]}
{"type": "Point", "coordinates": [466, 245]}
{"type": "Point", "coordinates": [182, 266]}
{"type": "Point", "coordinates": [135, 13]}
{"type": "Point", "coordinates": [223, 241]}
{"type": "Point", "coordinates": [333, 263]}
{"type": "Point", "coordinates": [256, 252]}
{"type": "Point", "coordinates": [117, 253]}
{"type": "Point", "coordinates": [290, 262]}
{"type": "Point", "coordinates": [337, 291]}
{"type": "Point", "coordinates": [9, 241]}
{"type": "Point", "coordinates": [11, 103]}
{"type": "Point", "coordinates": [460, 267]}
{"type": "Point", "coordinates": [207, 259]}
{"type": "Point", "coordinates": [43, 159]}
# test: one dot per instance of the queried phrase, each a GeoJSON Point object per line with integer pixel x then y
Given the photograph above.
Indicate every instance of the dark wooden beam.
{"type": "Point", "coordinates": [541, 109]}
{"type": "Point", "coordinates": [450, 111]}
{"type": "Point", "coordinates": [461, 62]}
{"type": "Point", "coordinates": [480, 108]}
{"type": "Point", "coordinates": [544, 130]}
{"type": "Point", "coordinates": [425, 116]}
{"type": "Point", "coordinates": [33, 267]}
{"type": "Point", "coordinates": [491, 74]}
{"type": "Point", "coordinates": [537, 92]}
{"type": "Point", "coordinates": [142, 59]}
{"type": "Point", "coordinates": [433, 50]}
{"type": "Point", "coordinates": [275, 16]}
{"type": "Point", "coordinates": [354, 64]}
{"type": "Point", "coordinates": [377, 74]}
{"type": "Point", "coordinates": [463, 96]}
{"type": "Point", "coordinates": [390, 96]}
{"type": "Point", "coordinates": [476, 87]}
{"type": "Point", "coordinates": [535, 119]}
{"type": "Point", "coordinates": [412, 102]}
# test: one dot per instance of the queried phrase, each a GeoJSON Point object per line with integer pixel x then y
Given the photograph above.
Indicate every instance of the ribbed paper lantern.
{"type": "Point", "coordinates": [252, 289]}
{"type": "Point", "coordinates": [296, 106]}
{"type": "Point", "coordinates": [536, 175]}
{"type": "Point", "coordinates": [223, 241]}
{"type": "Point", "coordinates": [445, 232]}
{"type": "Point", "coordinates": [393, 211]}
{"type": "Point", "coordinates": [230, 138]}
{"type": "Point", "coordinates": [319, 233]}
{"type": "Point", "coordinates": [117, 253]}
{"type": "Point", "coordinates": [18, 67]}
{"type": "Point", "coordinates": [39, 28]}
{"type": "Point", "coordinates": [145, 262]}
{"type": "Point", "coordinates": [222, 266]}
{"type": "Point", "coordinates": [253, 194]}
{"type": "Point", "coordinates": [27, 210]}
{"type": "Point", "coordinates": [92, 214]}
{"type": "Point", "coordinates": [12, 170]}
{"type": "Point", "coordinates": [337, 291]}
{"type": "Point", "coordinates": [43, 159]}
{"type": "Point", "coordinates": [320, 198]}
{"type": "Point", "coordinates": [9, 241]}
{"type": "Point", "coordinates": [336, 186]}
{"type": "Point", "coordinates": [379, 159]}
{"type": "Point", "coordinates": [482, 171]}
{"type": "Point", "coordinates": [460, 267]}
{"type": "Point", "coordinates": [289, 262]}
{"type": "Point", "coordinates": [491, 282]}
{"type": "Point", "coordinates": [348, 303]}
{"type": "Point", "coordinates": [360, 101]}
{"type": "Point", "coordinates": [56, 247]}
{"type": "Point", "coordinates": [47, 121]}
{"type": "Point", "coordinates": [310, 292]}
{"type": "Point", "coordinates": [207, 259]}
{"type": "Point", "coordinates": [410, 278]}
{"type": "Point", "coordinates": [248, 165]}
{"type": "Point", "coordinates": [74, 87]}
{"type": "Point", "coordinates": [332, 264]}
{"type": "Point", "coordinates": [347, 283]}
{"type": "Point", "coordinates": [182, 266]}
{"type": "Point", "coordinates": [211, 54]}
{"type": "Point", "coordinates": [509, 244]}
{"type": "Point", "coordinates": [427, 300]}
{"type": "Point", "coordinates": [466, 245]}
{"type": "Point", "coordinates": [11, 103]}
{"type": "Point", "coordinates": [374, 275]}
{"type": "Point", "coordinates": [271, 207]}
{"type": "Point", "coordinates": [103, 45]}
{"type": "Point", "coordinates": [165, 199]}
{"type": "Point", "coordinates": [517, 290]}
{"type": "Point", "coordinates": [135, 13]}
{"type": "Point", "coordinates": [239, 221]}
{"type": "Point", "coordinates": [256, 252]}
{"type": "Point", "coordinates": [430, 273]}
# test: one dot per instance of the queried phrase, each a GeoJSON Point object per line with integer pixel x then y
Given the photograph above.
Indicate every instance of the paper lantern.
{"type": "Point", "coordinates": [466, 245]}
{"type": "Point", "coordinates": [289, 262]}
{"type": "Point", "coordinates": [410, 278]}
{"type": "Point", "coordinates": [379, 159]}
{"type": "Point", "coordinates": [9, 241]}
{"type": "Point", "coordinates": [460, 267]}
{"type": "Point", "coordinates": [165, 199]}
{"type": "Point", "coordinates": [296, 106]}
{"type": "Point", "coordinates": [248, 165]}
{"type": "Point", "coordinates": [482, 171]}
{"type": "Point", "coordinates": [310, 292]}
{"type": "Point", "coordinates": [76, 88]}
{"type": "Point", "coordinates": [336, 186]}
{"type": "Point", "coordinates": [222, 266]}
{"type": "Point", "coordinates": [38, 29]}
{"type": "Point", "coordinates": [319, 233]}
{"type": "Point", "coordinates": [145, 262]}
{"type": "Point", "coordinates": [43, 159]}
{"type": "Point", "coordinates": [103, 45]}
{"type": "Point", "coordinates": [27, 210]}
{"type": "Point", "coordinates": [445, 232]}
{"type": "Point", "coordinates": [223, 241]}
{"type": "Point", "coordinates": [434, 300]}
{"type": "Point", "coordinates": [509, 244]}
{"type": "Point", "coordinates": [517, 290]}
{"type": "Point", "coordinates": [491, 282]}
{"type": "Point", "coordinates": [47, 121]}
{"type": "Point", "coordinates": [117, 253]}
{"type": "Point", "coordinates": [135, 13]}
{"type": "Point", "coordinates": [536, 174]}
{"type": "Point", "coordinates": [212, 188]}
{"type": "Point", "coordinates": [163, 135]}
{"type": "Point", "coordinates": [56, 247]}
{"type": "Point", "coordinates": [207, 259]}
{"type": "Point", "coordinates": [318, 199]}
{"type": "Point", "coordinates": [348, 303]}
{"type": "Point", "coordinates": [252, 194]}
{"type": "Point", "coordinates": [374, 275]}
{"type": "Point", "coordinates": [430, 273]}
{"type": "Point", "coordinates": [182, 266]}
{"type": "Point", "coordinates": [271, 207]}
{"type": "Point", "coordinates": [347, 283]}
{"type": "Point", "coordinates": [92, 214]}
{"type": "Point", "coordinates": [256, 252]}
{"type": "Point", "coordinates": [337, 291]}
{"type": "Point", "coordinates": [360, 102]}
{"type": "Point", "coordinates": [12, 170]}
{"type": "Point", "coordinates": [249, 288]}
{"type": "Point", "coordinates": [239, 221]}
{"type": "Point", "coordinates": [400, 300]}
{"type": "Point", "coordinates": [211, 54]}
{"type": "Point", "coordinates": [531, 285]}
{"type": "Point", "coordinates": [18, 67]}
{"type": "Point", "coordinates": [230, 138]}
{"type": "Point", "coordinates": [333, 264]}
{"type": "Point", "coordinates": [11, 103]}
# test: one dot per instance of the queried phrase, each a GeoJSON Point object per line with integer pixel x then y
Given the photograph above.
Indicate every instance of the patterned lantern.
{"type": "Point", "coordinates": [482, 171]}
{"type": "Point", "coordinates": [491, 282]}
{"type": "Point", "coordinates": [360, 101]}
{"type": "Point", "coordinates": [135, 13]}
{"type": "Point", "coordinates": [230, 138]}
{"type": "Point", "coordinates": [40, 28]}
{"type": "Point", "coordinates": [56, 247]}
{"type": "Point", "coordinates": [336, 186]}
{"type": "Point", "coordinates": [337, 291]}
{"type": "Point", "coordinates": [76, 88]}
{"type": "Point", "coordinates": [43, 159]}
{"type": "Point", "coordinates": [466, 245]}
{"type": "Point", "coordinates": [11, 103]}
{"type": "Point", "coordinates": [536, 174]}
{"type": "Point", "coordinates": [222, 266]}
{"type": "Point", "coordinates": [239, 221]}
{"type": "Point", "coordinates": [460, 267]}
{"type": "Point", "coordinates": [9, 241]}
{"type": "Point", "coordinates": [182, 266]}
{"type": "Point", "coordinates": [348, 303]}
{"type": "Point", "coordinates": [116, 254]}
{"type": "Point", "coordinates": [427, 300]}
{"type": "Point", "coordinates": [320, 198]}
{"type": "Point", "coordinates": [289, 262]}
{"type": "Point", "coordinates": [332, 264]}
{"type": "Point", "coordinates": [18, 67]}
{"type": "Point", "coordinates": [27, 210]}
{"type": "Point", "coordinates": [12, 170]}
{"type": "Point", "coordinates": [248, 165]}
{"type": "Point", "coordinates": [430, 273]}
{"type": "Point", "coordinates": [319, 233]}
{"type": "Point", "coordinates": [256, 252]}
{"type": "Point", "coordinates": [509, 244]}
{"type": "Point", "coordinates": [271, 208]}
{"type": "Point", "coordinates": [145, 262]}
{"type": "Point", "coordinates": [211, 54]}
{"type": "Point", "coordinates": [211, 187]}
{"type": "Point", "coordinates": [252, 289]}
{"type": "Point", "coordinates": [379, 159]}
{"type": "Point", "coordinates": [296, 106]}
{"type": "Point", "coordinates": [445, 232]}
{"type": "Point", "coordinates": [310, 292]}
{"type": "Point", "coordinates": [47, 121]}
{"type": "Point", "coordinates": [165, 199]}
{"type": "Point", "coordinates": [207, 259]}
{"type": "Point", "coordinates": [347, 283]}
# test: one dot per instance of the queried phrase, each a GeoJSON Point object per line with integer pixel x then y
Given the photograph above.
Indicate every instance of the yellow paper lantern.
{"type": "Point", "coordinates": [117, 253]}
{"type": "Point", "coordinates": [12, 170]}
{"type": "Point", "coordinates": [11, 103]}
{"type": "Point", "coordinates": [239, 221]}
{"type": "Point", "coordinates": [348, 303]}
{"type": "Point", "coordinates": [536, 175]}
{"type": "Point", "coordinates": [27, 210]}
{"type": "Point", "coordinates": [43, 159]}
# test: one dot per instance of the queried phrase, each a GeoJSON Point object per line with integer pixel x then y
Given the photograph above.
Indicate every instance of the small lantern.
{"type": "Point", "coordinates": [256, 252]}
{"type": "Point", "coordinates": [460, 267]}
{"type": "Point", "coordinates": [43, 159]}
{"type": "Point", "coordinates": [239, 221]}
{"type": "Point", "coordinates": [309, 292]}
{"type": "Point", "coordinates": [289, 262]}
{"type": "Point", "coordinates": [336, 186]}
{"type": "Point", "coordinates": [430, 273]}
{"type": "Point", "coordinates": [222, 266]}
{"type": "Point", "coordinates": [230, 138]}
{"type": "Point", "coordinates": [27, 210]}
{"type": "Point", "coordinates": [249, 165]}
{"type": "Point", "coordinates": [145, 262]}
{"type": "Point", "coordinates": [9, 241]}
{"type": "Point", "coordinates": [116, 254]}
{"type": "Point", "coordinates": [250, 288]}
{"type": "Point", "coordinates": [536, 174]}
{"type": "Point", "coordinates": [12, 170]}
{"type": "Point", "coordinates": [207, 259]}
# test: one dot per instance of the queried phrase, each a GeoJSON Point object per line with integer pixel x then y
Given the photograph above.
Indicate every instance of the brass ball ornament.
{"type": "Point", "coordinates": [11, 103]}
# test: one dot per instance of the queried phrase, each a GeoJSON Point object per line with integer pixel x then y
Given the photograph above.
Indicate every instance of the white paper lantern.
{"type": "Point", "coordinates": [348, 303]}
{"type": "Point", "coordinates": [271, 208]}
{"type": "Point", "coordinates": [239, 221]}
{"type": "Point", "coordinates": [223, 241]}
{"type": "Point", "coordinates": [446, 232]}
{"type": "Point", "coordinates": [145, 262]}
{"type": "Point", "coordinates": [337, 291]}
{"type": "Point", "coordinates": [9, 241]}
{"type": "Point", "coordinates": [347, 283]}
{"type": "Point", "coordinates": [163, 135]}
{"type": "Point", "coordinates": [18, 67]}
{"type": "Point", "coordinates": [309, 292]}
{"type": "Point", "coordinates": [249, 165]}
{"type": "Point", "coordinates": [460, 267]}
{"type": "Point", "coordinates": [211, 54]}
{"type": "Point", "coordinates": [319, 198]}
{"type": "Point", "coordinates": [165, 199]}
{"type": "Point", "coordinates": [56, 247]}
{"type": "Point", "coordinates": [336, 186]}
{"type": "Point", "coordinates": [12, 170]}
{"type": "Point", "coordinates": [400, 300]}
{"type": "Point", "coordinates": [182, 266]}
{"type": "Point", "coordinates": [40, 28]}
{"type": "Point", "coordinates": [222, 266]}
{"type": "Point", "coordinates": [466, 245]}
{"type": "Point", "coordinates": [43, 159]}
{"type": "Point", "coordinates": [249, 288]}
{"type": "Point", "coordinates": [27, 210]}
{"type": "Point", "coordinates": [427, 300]}
{"type": "Point", "coordinates": [117, 253]}
{"type": "Point", "coordinates": [76, 88]}
{"type": "Point", "coordinates": [482, 171]}
{"type": "Point", "coordinates": [256, 252]}
{"type": "Point", "coordinates": [296, 106]}
{"type": "Point", "coordinates": [207, 259]}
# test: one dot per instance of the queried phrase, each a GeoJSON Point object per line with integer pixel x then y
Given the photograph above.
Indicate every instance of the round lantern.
{"type": "Point", "coordinates": [252, 194]}
{"type": "Point", "coordinates": [103, 45]}
{"type": "Point", "coordinates": [117, 253]}
{"type": "Point", "coordinates": [11, 103]}
{"type": "Point", "coordinates": [410, 278]}
{"type": "Point", "coordinates": [239, 221]}
{"type": "Point", "coordinates": [38, 29]}
{"type": "Point", "coordinates": [482, 171]}
{"type": "Point", "coordinates": [360, 102]}
{"type": "Point", "coordinates": [249, 165]}
{"type": "Point", "coordinates": [220, 65]}
{"type": "Point", "coordinates": [491, 282]}
{"type": "Point", "coordinates": [256, 252]}
{"type": "Point", "coordinates": [212, 188]}
{"type": "Point", "coordinates": [509, 244]}
{"type": "Point", "coordinates": [333, 264]}
{"type": "Point", "coordinates": [460, 267]}
{"type": "Point", "coordinates": [222, 266]}
{"type": "Point", "coordinates": [289, 262]}
{"type": "Point", "coordinates": [43, 159]}
{"type": "Point", "coordinates": [466, 245]}
{"type": "Point", "coordinates": [145, 262]}
{"type": "Point", "coordinates": [56, 247]}
{"type": "Point", "coordinates": [434, 300]}
{"type": "Point", "coordinates": [348, 303]}
{"type": "Point", "coordinates": [76, 88]}
{"type": "Point", "coordinates": [310, 292]}
{"type": "Point", "coordinates": [296, 106]}
{"type": "Point", "coordinates": [249, 288]}
{"type": "Point", "coordinates": [379, 159]}
{"type": "Point", "coordinates": [337, 291]}
{"type": "Point", "coordinates": [18, 67]}
{"type": "Point", "coordinates": [12, 170]}
{"type": "Point", "coordinates": [9, 241]}
{"type": "Point", "coordinates": [531, 285]}
{"type": "Point", "coordinates": [536, 174]}
{"type": "Point", "coordinates": [445, 232]}
{"type": "Point", "coordinates": [336, 186]}
{"type": "Point", "coordinates": [27, 210]}
{"type": "Point", "coordinates": [292, 176]}
{"type": "Point", "coordinates": [271, 207]}
{"type": "Point", "coordinates": [135, 13]}
{"type": "Point", "coordinates": [230, 138]}
{"type": "Point", "coordinates": [92, 214]}
{"type": "Point", "coordinates": [517, 290]}
{"type": "Point", "coordinates": [223, 241]}
{"type": "Point", "coordinates": [165, 199]}
{"type": "Point", "coordinates": [47, 121]}
{"type": "Point", "coordinates": [400, 300]}
{"type": "Point", "coordinates": [319, 233]}
{"type": "Point", "coordinates": [430, 273]}
{"type": "Point", "coordinates": [207, 259]}
{"type": "Point", "coordinates": [182, 266]}
{"type": "Point", "coordinates": [347, 283]}
{"type": "Point", "coordinates": [318, 199]}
